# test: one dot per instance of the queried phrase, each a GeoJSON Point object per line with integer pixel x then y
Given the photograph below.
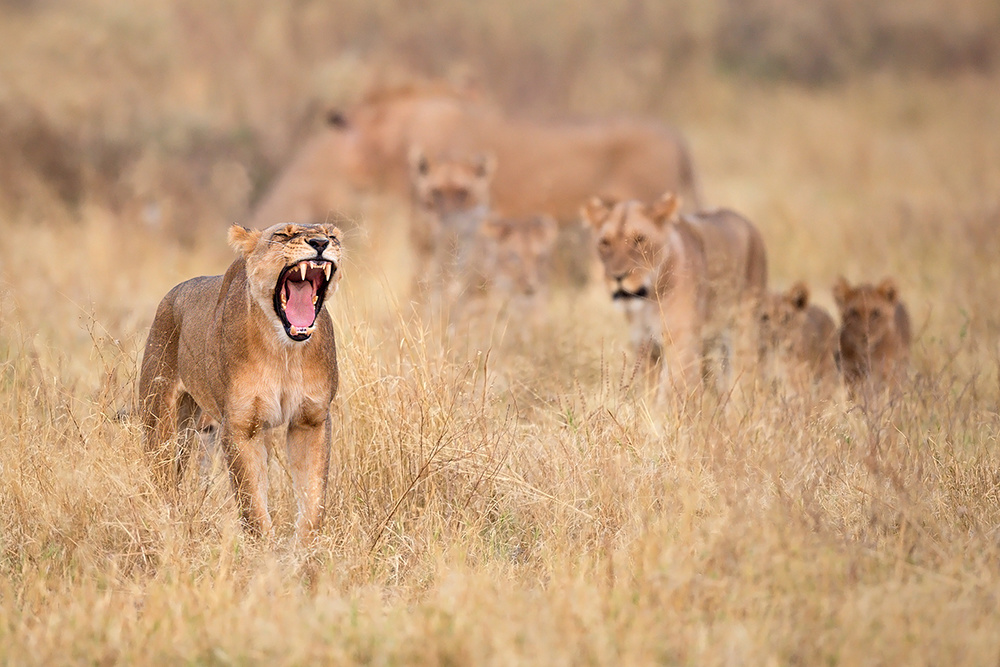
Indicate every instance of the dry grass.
{"type": "Point", "coordinates": [525, 504]}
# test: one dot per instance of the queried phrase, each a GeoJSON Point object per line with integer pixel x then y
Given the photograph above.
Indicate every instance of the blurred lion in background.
{"type": "Point", "coordinates": [798, 341]}
{"type": "Point", "coordinates": [544, 168]}
{"type": "Point", "coordinates": [450, 199]}
{"type": "Point", "coordinates": [520, 256]}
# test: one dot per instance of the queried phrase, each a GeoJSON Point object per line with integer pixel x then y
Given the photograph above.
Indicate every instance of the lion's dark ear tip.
{"type": "Point", "coordinates": [888, 289]}
{"type": "Point", "coordinates": [336, 118]}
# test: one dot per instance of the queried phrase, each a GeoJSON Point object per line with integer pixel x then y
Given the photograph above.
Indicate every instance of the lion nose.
{"type": "Point", "coordinates": [319, 244]}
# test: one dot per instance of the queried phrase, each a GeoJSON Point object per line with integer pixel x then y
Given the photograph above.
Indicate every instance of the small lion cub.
{"type": "Point", "coordinates": [874, 334]}
{"type": "Point", "coordinates": [518, 256]}
{"type": "Point", "coordinates": [798, 340]}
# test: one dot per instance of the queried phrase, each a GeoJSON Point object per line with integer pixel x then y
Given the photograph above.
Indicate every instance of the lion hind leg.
{"type": "Point", "coordinates": [159, 391]}
{"type": "Point", "coordinates": [188, 418]}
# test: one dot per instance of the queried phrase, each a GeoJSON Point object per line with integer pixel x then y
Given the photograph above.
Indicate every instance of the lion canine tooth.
{"type": "Point", "coordinates": [327, 269]}
{"type": "Point", "coordinates": [315, 299]}
{"type": "Point", "coordinates": [302, 270]}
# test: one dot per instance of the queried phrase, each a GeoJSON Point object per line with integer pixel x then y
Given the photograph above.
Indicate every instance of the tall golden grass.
{"type": "Point", "coordinates": [521, 504]}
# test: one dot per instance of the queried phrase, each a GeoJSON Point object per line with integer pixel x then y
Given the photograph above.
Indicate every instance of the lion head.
{"type": "Point", "coordinates": [782, 318]}
{"type": "Point", "coordinates": [875, 328]}
{"type": "Point", "coordinates": [291, 269]}
{"type": "Point", "coordinates": [451, 189]}
{"type": "Point", "coordinates": [631, 237]}
{"type": "Point", "coordinates": [522, 250]}
{"type": "Point", "coordinates": [797, 339]}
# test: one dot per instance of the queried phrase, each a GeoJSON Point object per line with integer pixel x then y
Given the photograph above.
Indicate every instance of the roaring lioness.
{"type": "Point", "coordinates": [253, 349]}
{"type": "Point", "coordinates": [685, 282]}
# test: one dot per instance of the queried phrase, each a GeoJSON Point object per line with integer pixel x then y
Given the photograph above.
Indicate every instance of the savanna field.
{"type": "Point", "coordinates": [524, 503]}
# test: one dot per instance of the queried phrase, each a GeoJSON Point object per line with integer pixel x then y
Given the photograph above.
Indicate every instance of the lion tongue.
{"type": "Point", "coordinates": [300, 310]}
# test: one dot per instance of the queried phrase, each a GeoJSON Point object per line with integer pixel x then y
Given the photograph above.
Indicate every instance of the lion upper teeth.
{"type": "Point", "coordinates": [302, 270]}
{"type": "Point", "coordinates": [328, 269]}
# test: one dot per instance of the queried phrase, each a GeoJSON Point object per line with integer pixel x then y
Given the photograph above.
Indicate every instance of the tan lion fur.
{"type": "Point", "coordinates": [519, 258]}
{"type": "Point", "coordinates": [217, 349]}
{"type": "Point", "coordinates": [685, 282]}
{"type": "Point", "coordinates": [874, 335]}
{"type": "Point", "coordinates": [799, 342]}
{"type": "Point", "coordinates": [546, 168]}
{"type": "Point", "coordinates": [450, 202]}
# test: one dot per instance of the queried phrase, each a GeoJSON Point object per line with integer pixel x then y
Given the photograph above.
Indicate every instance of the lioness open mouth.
{"type": "Point", "coordinates": [621, 293]}
{"type": "Point", "coordinates": [299, 294]}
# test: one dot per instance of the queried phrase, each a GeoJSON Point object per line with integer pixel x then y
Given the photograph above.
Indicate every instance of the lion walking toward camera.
{"type": "Point", "coordinates": [874, 335]}
{"type": "Point", "coordinates": [253, 350]}
{"type": "Point", "coordinates": [689, 285]}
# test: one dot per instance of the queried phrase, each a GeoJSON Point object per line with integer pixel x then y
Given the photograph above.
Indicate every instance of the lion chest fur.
{"type": "Point", "coordinates": [235, 366]}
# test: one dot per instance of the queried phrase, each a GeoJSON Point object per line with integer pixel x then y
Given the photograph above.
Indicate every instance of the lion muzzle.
{"type": "Point", "coordinates": [299, 295]}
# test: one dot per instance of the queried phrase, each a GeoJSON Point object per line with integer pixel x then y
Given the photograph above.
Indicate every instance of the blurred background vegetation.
{"type": "Point", "coordinates": [185, 110]}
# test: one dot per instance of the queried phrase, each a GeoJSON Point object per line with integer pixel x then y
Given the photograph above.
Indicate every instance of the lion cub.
{"type": "Point", "coordinates": [451, 202]}
{"type": "Point", "coordinates": [874, 334]}
{"type": "Point", "coordinates": [685, 282]}
{"type": "Point", "coordinates": [518, 256]}
{"type": "Point", "coordinates": [798, 340]}
{"type": "Point", "coordinates": [252, 350]}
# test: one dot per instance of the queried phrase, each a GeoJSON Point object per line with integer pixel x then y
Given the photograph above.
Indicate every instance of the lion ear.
{"type": "Point", "coordinates": [496, 228]}
{"type": "Point", "coordinates": [595, 211]}
{"type": "Point", "coordinates": [887, 288]}
{"type": "Point", "coordinates": [665, 209]}
{"type": "Point", "coordinates": [798, 295]}
{"type": "Point", "coordinates": [419, 165]}
{"type": "Point", "coordinates": [243, 240]}
{"type": "Point", "coordinates": [841, 290]}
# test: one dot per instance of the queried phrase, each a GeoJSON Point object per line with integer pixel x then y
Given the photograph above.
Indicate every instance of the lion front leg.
{"type": "Point", "coordinates": [680, 365]}
{"type": "Point", "coordinates": [308, 445]}
{"type": "Point", "coordinates": [246, 454]}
